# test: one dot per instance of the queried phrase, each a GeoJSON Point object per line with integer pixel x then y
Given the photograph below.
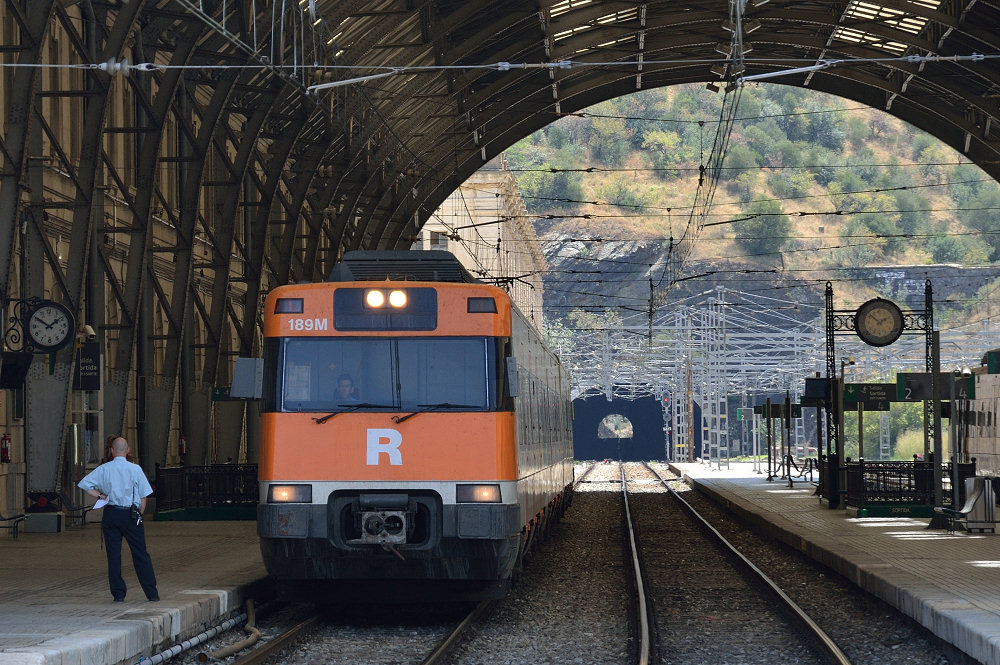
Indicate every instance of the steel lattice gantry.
{"type": "Point", "coordinates": [166, 162]}
{"type": "Point", "coordinates": [735, 349]}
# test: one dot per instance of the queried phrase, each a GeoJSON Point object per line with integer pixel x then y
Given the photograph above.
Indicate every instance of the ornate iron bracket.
{"type": "Point", "coordinates": [15, 337]}
{"type": "Point", "coordinates": [842, 322]}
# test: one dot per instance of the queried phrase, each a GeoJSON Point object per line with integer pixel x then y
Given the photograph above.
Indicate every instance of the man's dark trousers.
{"type": "Point", "coordinates": [116, 523]}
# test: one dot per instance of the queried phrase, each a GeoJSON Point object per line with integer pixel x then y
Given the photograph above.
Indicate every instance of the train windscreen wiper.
{"type": "Point", "coordinates": [352, 406]}
{"type": "Point", "coordinates": [436, 407]}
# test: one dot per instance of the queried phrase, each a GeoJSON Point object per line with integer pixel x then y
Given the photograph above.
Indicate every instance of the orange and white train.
{"type": "Point", "coordinates": [416, 432]}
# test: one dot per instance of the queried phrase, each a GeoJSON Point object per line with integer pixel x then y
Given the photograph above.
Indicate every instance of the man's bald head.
{"type": "Point", "coordinates": [119, 447]}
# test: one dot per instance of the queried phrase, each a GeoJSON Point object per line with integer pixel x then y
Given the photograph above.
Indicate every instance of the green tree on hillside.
{"type": "Point", "coordinates": [624, 193]}
{"type": "Point", "coordinates": [858, 245]}
{"type": "Point", "coordinates": [966, 181]}
{"type": "Point", "coordinates": [541, 189]}
{"type": "Point", "coordinates": [966, 250]}
{"type": "Point", "coordinates": [915, 214]}
{"type": "Point", "coordinates": [857, 130]}
{"type": "Point", "coordinates": [739, 158]}
{"type": "Point", "coordinates": [643, 104]}
{"type": "Point", "coordinates": [766, 231]}
{"type": "Point", "coordinates": [826, 129]}
{"type": "Point", "coordinates": [744, 186]}
{"type": "Point", "coordinates": [787, 184]}
{"type": "Point", "coordinates": [665, 150]}
{"type": "Point", "coordinates": [609, 136]}
{"type": "Point", "coordinates": [983, 214]}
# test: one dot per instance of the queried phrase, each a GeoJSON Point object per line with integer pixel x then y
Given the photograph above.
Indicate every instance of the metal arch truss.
{"type": "Point", "coordinates": [183, 186]}
{"type": "Point", "coordinates": [733, 350]}
{"type": "Point", "coordinates": [159, 203]}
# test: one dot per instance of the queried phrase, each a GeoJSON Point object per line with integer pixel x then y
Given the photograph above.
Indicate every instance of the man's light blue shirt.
{"type": "Point", "coordinates": [122, 481]}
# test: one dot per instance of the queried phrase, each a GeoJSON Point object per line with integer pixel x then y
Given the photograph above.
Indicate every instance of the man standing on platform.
{"type": "Point", "coordinates": [125, 488]}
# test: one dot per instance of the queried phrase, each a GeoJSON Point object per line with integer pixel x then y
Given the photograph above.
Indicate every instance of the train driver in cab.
{"type": "Point", "coordinates": [345, 389]}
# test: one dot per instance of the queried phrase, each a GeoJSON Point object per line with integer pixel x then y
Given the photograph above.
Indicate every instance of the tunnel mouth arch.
{"type": "Point", "coordinates": [593, 412]}
{"type": "Point", "coordinates": [615, 426]}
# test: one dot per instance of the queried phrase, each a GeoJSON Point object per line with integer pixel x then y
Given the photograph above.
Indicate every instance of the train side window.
{"type": "Point", "coordinates": [511, 376]}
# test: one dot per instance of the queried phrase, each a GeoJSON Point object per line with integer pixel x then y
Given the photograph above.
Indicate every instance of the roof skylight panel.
{"type": "Point", "coordinates": [565, 6]}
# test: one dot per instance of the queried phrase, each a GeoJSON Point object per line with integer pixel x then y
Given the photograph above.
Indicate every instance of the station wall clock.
{"type": "Point", "coordinates": [878, 322]}
{"type": "Point", "coordinates": [49, 326]}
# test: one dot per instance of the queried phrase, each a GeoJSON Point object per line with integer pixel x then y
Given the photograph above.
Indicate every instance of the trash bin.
{"type": "Point", "coordinates": [980, 504]}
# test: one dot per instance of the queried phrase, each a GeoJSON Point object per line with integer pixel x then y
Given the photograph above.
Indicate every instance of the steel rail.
{"type": "Point", "coordinates": [449, 642]}
{"type": "Point", "coordinates": [267, 650]}
{"type": "Point", "coordinates": [583, 475]}
{"type": "Point", "coordinates": [831, 652]}
{"type": "Point", "coordinates": [640, 591]}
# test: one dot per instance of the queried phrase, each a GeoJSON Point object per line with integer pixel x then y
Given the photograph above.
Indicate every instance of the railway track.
{"type": "Point", "coordinates": [704, 601]}
{"type": "Point", "coordinates": [336, 641]}
{"type": "Point", "coordinates": [427, 644]}
{"type": "Point", "coordinates": [572, 605]}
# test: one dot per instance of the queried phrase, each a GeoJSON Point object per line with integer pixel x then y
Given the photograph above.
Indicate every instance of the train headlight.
{"type": "Point", "coordinates": [477, 493]}
{"type": "Point", "coordinates": [397, 298]}
{"type": "Point", "coordinates": [289, 493]}
{"type": "Point", "coordinates": [375, 298]}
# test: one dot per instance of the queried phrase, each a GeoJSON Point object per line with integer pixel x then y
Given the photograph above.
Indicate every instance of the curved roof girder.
{"type": "Point", "coordinates": [488, 108]}
{"type": "Point", "coordinates": [401, 144]}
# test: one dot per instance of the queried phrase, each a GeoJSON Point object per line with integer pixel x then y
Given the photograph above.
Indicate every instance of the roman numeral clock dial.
{"type": "Point", "coordinates": [878, 322]}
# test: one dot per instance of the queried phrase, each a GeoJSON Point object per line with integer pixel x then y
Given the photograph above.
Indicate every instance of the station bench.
{"type": "Point", "coordinates": [13, 523]}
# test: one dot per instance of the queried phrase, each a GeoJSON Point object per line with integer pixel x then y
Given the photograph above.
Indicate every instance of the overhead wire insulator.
{"type": "Point", "coordinates": [114, 67]}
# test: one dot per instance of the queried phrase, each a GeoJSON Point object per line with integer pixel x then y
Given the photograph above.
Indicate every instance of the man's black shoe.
{"type": "Point", "coordinates": [119, 600]}
{"type": "Point", "coordinates": [154, 599]}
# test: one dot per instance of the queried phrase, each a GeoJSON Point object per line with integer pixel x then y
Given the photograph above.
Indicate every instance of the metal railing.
{"type": "Point", "coordinates": [900, 482]}
{"type": "Point", "coordinates": [206, 486]}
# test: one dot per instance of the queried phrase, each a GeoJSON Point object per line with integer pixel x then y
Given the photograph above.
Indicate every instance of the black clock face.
{"type": "Point", "coordinates": [878, 322]}
{"type": "Point", "coordinates": [50, 326]}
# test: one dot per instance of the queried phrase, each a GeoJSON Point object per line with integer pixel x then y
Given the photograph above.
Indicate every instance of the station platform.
{"type": "Point", "coordinates": [56, 609]}
{"type": "Point", "coordinates": [947, 582]}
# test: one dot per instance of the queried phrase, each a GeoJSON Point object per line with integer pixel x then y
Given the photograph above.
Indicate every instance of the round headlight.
{"type": "Point", "coordinates": [375, 298]}
{"type": "Point", "coordinates": [397, 298]}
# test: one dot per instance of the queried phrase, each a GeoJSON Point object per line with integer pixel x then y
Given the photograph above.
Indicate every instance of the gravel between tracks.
{"type": "Point", "coordinates": [569, 607]}
{"type": "Point", "coordinates": [869, 631]}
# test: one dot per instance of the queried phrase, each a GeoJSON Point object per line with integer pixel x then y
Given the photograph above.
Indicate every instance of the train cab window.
{"type": "Point", "coordinates": [445, 371]}
{"type": "Point", "coordinates": [314, 372]}
{"type": "Point", "coordinates": [322, 374]}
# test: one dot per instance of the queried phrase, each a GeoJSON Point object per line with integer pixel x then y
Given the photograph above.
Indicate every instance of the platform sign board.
{"type": "Point", "coordinates": [816, 392]}
{"type": "Point", "coordinates": [916, 386]}
{"type": "Point", "coordinates": [993, 362]}
{"type": "Point", "coordinates": [965, 387]}
{"type": "Point", "coordinates": [816, 388]}
{"type": "Point", "coordinates": [872, 396]}
{"type": "Point", "coordinates": [87, 373]}
{"type": "Point", "coordinates": [913, 386]}
{"type": "Point", "coordinates": [778, 410]}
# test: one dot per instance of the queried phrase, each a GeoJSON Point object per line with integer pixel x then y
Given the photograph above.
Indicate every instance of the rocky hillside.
{"type": "Point", "coordinates": [812, 189]}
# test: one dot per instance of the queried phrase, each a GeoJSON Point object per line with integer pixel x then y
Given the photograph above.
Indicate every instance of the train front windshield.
{"type": "Point", "coordinates": [404, 373]}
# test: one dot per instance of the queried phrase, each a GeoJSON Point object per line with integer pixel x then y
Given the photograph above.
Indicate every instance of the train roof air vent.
{"type": "Point", "coordinates": [405, 265]}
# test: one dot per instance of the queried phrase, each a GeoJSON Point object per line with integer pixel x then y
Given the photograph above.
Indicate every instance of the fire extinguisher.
{"type": "Point", "coordinates": [5, 449]}
{"type": "Point", "coordinates": [182, 446]}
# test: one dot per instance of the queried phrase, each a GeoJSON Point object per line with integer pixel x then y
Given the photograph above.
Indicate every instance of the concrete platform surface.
{"type": "Point", "coordinates": [947, 582]}
{"type": "Point", "coordinates": [56, 609]}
